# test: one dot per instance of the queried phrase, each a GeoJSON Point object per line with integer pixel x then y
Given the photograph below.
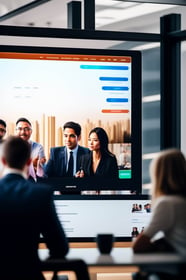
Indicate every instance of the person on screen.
{"type": "Point", "coordinates": [124, 160]}
{"type": "Point", "coordinates": [2, 134]}
{"type": "Point", "coordinates": [26, 211]}
{"type": "Point", "coordinates": [134, 232]}
{"type": "Point", "coordinates": [147, 207]}
{"type": "Point", "coordinates": [168, 176]}
{"type": "Point", "coordinates": [24, 130]}
{"type": "Point", "coordinates": [2, 129]}
{"type": "Point", "coordinates": [1, 164]}
{"type": "Point", "coordinates": [59, 161]}
{"type": "Point", "coordinates": [135, 207]}
{"type": "Point", "coordinates": [100, 161]}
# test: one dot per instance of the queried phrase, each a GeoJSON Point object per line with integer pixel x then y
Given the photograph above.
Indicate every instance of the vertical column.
{"type": "Point", "coordinates": [74, 14]}
{"type": "Point", "coordinates": [60, 137]}
{"type": "Point", "coordinates": [51, 133]}
{"type": "Point", "coordinates": [170, 83]}
{"type": "Point", "coordinates": [42, 130]}
{"type": "Point", "coordinates": [89, 14]}
{"type": "Point", "coordinates": [37, 132]}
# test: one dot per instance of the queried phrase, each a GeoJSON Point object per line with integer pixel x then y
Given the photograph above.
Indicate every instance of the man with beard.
{"type": "Point", "coordinates": [24, 130]}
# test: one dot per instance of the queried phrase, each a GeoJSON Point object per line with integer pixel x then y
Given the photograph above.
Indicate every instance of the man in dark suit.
{"type": "Point", "coordinates": [58, 163]}
{"type": "Point", "coordinates": [26, 211]}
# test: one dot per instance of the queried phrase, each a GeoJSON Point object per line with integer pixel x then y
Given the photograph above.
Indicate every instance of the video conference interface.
{"type": "Point", "coordinates": [85, 218]}
{"type": "Point", "coordinates": [53, 89]}
{"type": "Point", "coordinates": [93, 90]}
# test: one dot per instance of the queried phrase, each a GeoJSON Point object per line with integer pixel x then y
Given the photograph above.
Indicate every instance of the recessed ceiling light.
{"type": "Point", "coordinates": [3, 10]}
{"type": "Point", "coordinates": [111, 15]}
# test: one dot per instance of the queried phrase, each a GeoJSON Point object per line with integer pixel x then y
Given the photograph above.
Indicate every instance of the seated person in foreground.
{"type": "Point", "coordinates": [26, 211]}
{"type": "Point", "coordinates": [168, 175]}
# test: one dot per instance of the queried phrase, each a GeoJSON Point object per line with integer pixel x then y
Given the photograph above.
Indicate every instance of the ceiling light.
{"type": "Point", "coordinates": [104, 2]}
{"type": "Point", "coordinates": [111, 15]}
{"type": "Point", "coordinates": [147, 46]}
{"type": "Point", "coordinates": [151, 98]}
{"type": "Point", "coordinates": [149, 156]}
{"type": "Point", "coordinates": [3, 10]}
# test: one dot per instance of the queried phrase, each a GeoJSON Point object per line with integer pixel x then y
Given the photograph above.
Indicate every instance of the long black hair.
{"type": "Point", "coordinates": [103, 138]}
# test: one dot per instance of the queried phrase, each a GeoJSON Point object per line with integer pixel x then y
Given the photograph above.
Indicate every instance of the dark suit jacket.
{"type": "Point", "coordinates": [26, 211]}
{"type": "Point", "coordinates": [107, 167]}
{"type": "Point", "coordinates": [57, 163]}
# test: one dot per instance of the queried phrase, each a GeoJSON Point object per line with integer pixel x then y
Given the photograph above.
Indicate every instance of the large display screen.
{"type": "Point", "coordinates": [51, 86]}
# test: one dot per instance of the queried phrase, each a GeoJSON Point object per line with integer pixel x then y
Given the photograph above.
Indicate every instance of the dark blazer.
{"type": "Point", "coordinates": [26, 211]}
{"type": "Point", "coordinates": [57, 163]}
{"type": "Point", "coordinates": [107, 167]}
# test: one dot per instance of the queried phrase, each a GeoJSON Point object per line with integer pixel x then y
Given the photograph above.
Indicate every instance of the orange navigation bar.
{"type": "Point", "coordinates": [115, 111]}
{"type": "Point", "coordinates": [66, 57]}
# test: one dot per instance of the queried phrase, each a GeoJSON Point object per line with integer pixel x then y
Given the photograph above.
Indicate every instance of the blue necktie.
{"type": "Point", "coordinates": [70, 165]}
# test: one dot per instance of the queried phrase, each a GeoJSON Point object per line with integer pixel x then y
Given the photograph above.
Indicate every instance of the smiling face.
{"type": "Point", "coordinates": [24, 130]}
{"type": "Point", "coordinates": [93, 142]}
{"type": "Point", "coordinates": [70, 138]}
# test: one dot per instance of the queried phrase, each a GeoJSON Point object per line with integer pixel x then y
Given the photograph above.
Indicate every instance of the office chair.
{"type": "Point", "coordinates": [78, 266]}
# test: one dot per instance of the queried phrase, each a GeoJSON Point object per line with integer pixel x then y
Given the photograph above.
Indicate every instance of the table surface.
{"type": "Point", "coordinates": [118, 257]}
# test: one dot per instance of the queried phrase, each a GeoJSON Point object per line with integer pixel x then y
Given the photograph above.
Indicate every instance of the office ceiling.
{"type": "Point", "coordinates": [53, 13]}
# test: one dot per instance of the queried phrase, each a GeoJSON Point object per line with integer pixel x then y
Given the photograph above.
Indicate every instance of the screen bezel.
{"type": "Point", "coordinates": [134, 183]}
